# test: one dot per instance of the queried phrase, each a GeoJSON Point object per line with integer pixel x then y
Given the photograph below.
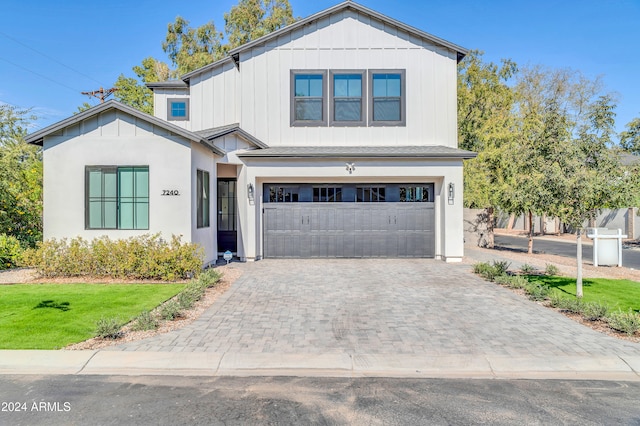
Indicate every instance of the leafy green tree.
{"type": "Point", "coordinates": [252, 19]}
{"type": "Point", "coordinates": [485, 122]}
{"type": "Point", "coordinates": [191, 48]}
{"type": "Point", "coordinates": [630, 138]}
{"type": "Point", "coordinates": [20, 178]}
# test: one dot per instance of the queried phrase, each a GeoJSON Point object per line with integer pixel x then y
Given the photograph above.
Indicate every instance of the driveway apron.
{"type": "Point", "coordinates": [374, 306]}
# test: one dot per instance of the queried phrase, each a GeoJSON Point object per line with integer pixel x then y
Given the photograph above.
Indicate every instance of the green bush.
{"type": "Point", "coordinates": [145, 321]}
{"type": "Point", "coordinates": [624, 321]}
{"type": "Point", "coordinates": [568, 304]}
{"type": "Point", "coordinates": [490, 272]}
{"type": "Point", "coordinates": [10, 251]}
{"type": "Point", "coordinates": [144, 257]}
{"type": "Point", "coordinates": [108, 328]}
{"type": "Point", "coordinates": [537, 291]}
{"type": "Point", "coordinates": [551, 269]}
{"type": "Point", "coordinates": [594, 311]}
{"type": "Point", "coordinates": [170, 310]}
{"type": "Point", "coordinates": [527, 269]}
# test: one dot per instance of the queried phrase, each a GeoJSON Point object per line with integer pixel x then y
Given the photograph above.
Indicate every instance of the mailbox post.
{"type": "Point", "coordinates": [607, 246]}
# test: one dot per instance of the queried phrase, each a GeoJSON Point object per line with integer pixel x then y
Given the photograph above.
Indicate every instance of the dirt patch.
{"type": "Point", "coordinates": [230, 275]}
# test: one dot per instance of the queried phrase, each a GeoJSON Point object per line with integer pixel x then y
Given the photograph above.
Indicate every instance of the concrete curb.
{"type": "Point", "coordinates": [317, 365]}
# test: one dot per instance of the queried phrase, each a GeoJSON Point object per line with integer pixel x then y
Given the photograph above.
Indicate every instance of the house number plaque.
{"type": "Point", "coordinates": [173, 192]}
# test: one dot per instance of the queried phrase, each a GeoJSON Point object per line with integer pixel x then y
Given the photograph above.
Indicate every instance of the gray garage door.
{"type": "Point", "coordinates": [349, 230]}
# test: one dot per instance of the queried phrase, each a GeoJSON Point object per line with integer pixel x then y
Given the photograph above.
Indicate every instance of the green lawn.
{"type": "Point", "coordinates": [51, 316]}
{"type": "Point", "coordinates": [616, 294]}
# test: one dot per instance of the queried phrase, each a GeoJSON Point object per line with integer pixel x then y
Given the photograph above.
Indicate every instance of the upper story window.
{"type": "Point", "coordinates": [347, 107]}
{"type": "Point", "coordinates": [309, 98]}
{"type": "Point", "coordinates": [177, 109]}
{"type": "Point", "coordinates": [387, 98]}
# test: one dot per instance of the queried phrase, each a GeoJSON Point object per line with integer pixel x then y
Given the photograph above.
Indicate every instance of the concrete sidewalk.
{"type": "Point", "coordinates": [323, 365]}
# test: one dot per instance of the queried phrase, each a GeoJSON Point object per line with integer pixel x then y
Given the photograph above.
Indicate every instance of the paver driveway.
{"type": "Point", "coordinates": [390, 306]}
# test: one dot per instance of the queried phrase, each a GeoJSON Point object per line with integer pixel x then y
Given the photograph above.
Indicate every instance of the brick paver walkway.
{"type": "Point", "coordinates": [389, 306]}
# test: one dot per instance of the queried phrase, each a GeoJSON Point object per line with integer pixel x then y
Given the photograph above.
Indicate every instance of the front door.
{"type": "Point", "coordinates": [227, 234]}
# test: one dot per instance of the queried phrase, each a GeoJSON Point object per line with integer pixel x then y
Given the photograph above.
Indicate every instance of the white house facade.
{"type": "Point", "coordinates": [333, 137]}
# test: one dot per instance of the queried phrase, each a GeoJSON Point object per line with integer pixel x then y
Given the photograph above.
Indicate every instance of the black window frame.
{"type": "Point", "coordinates": [379, 191]}
{"type": "Point", "coordinates": [170, 103]}
{"type": "Point", "coordinates": [363, 99]}
{"type": "Point", "coordinates": [203, 209]}
{"type": "Point", "coordinates": [311, 123]}
{"type": "Point", "coordinates": [283, 194]}
{"type": "Point", "coordinates": [117, 199]}
{"type": "Point", "coordinates": [429, 187]}
{"type": "Point", "coordinates": [403, 99]}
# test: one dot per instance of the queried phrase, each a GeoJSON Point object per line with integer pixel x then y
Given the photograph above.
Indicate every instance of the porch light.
{"type": "Point", "coordinates": [451, 192]}
{"type": "Point", "coordinates": [250, 191]}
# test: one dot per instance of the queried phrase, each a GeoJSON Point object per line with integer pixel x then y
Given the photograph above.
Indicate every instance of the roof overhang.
{"type": "Point", "coordinates": [171, 84]}
{"type": "Point", "coordinates": [37, 138]}
{"type": "Point", "coordinates": [231, 130]}
{"type": "Point", "coordinates": [428, 151]}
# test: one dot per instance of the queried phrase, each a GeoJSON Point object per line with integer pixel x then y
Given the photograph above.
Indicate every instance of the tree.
{"type": "Point", "coordinates": [485, 122]}
{"type": "Point", "coordinates": [630, 138]}
{"type": "Point", "coordinates": [252, 19]}
{"type": "Point", "coordinates": [20, 178]}
{"type": "Point", "coordinates": [191, 48]}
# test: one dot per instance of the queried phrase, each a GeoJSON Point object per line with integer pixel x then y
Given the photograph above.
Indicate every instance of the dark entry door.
{"type": "Point", "coordinates": [227, 233]}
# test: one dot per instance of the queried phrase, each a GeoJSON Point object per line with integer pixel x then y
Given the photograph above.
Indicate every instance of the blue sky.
{"type": "Point", "coordinates": [51, 51]}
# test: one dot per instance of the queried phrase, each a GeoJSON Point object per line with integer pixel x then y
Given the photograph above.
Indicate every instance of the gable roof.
{"type": "Point", "coordinates": [231, 129]}
{"type": "Point", "coordinates": [346, 5]}
{"type": "Point", "coordinates": [429, 151]}
{"type": "Point", "coordinates": [36, 138]}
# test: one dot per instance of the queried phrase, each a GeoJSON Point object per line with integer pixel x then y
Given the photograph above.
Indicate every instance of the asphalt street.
{"type": "Point", "coordinates": [630, 258]}
{"type": "Point", "coordinates": [170, 400]}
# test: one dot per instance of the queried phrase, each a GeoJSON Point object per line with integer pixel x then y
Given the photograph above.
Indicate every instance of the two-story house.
{"type": "Point", "coordinates": [333, 137]}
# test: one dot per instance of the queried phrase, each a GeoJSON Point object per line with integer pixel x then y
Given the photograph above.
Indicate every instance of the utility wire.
{"type": "Point", "coordinates": [40, 75]}
{"type": "Point", "coordinates": [50, 58]}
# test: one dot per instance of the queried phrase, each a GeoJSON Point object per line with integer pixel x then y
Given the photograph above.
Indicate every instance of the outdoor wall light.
{"type": "Point", "coordinates": [451, 192]}
{"type": "Point", "coordinates": [250, 191]}
{"type": "Point", "coordinates": [350, 167]}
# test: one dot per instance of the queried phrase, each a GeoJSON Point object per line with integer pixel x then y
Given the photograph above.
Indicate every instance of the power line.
{"type": "Point", "coordinates": [40, 75]}
{"type": "Point", "coordinates": [49, 57]}
{"type": "Point", "coordinates": [101, 93]}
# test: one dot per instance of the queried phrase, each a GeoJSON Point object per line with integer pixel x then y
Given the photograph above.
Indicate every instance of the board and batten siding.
{"type": "Point", "coordinates": [114, 138]}
{"type": "Point", "coordinates": [345, 41]}
{"type": "Point", "coordinates": [160, 101]}
{"type": "Point", "coordinates": [214, 97]}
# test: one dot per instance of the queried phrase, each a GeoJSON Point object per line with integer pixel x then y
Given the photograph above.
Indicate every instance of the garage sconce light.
{"type": "Point", "coordinates": [250, 191]}
{"type": "Point", "coordinates": [451, 192]}
{"type": "Point", "coordinates": [351, 167]}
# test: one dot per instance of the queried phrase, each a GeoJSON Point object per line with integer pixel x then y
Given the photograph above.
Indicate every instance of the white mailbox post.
{"type": "Point", "coordinates": [607, 246]}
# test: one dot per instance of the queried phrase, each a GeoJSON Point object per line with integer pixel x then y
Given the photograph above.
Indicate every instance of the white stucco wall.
{"type": "Point", "coordinates": [114, 138]}
{"type": "Point", "coordinates": [203, 159]}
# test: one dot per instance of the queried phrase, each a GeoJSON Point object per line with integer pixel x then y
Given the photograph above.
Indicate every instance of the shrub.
{"type": "Point", "coordinates": [170, 310]}
{"type": "Point", "coordinates": [490, 272]}
{"type": "Point", "coordinates": [551, 269]}
{"type": "Point", "coordinates": [108, 328]}
{"type": "Point", "coordinates": [527, 269]}
{"type": "Point", "coordinates": [537, 291]}
{"type": "Point", "coordinates": [594, 311]}
{"type": "Point", "coordinates": [145, 321]}
{"type": "Point", "coordinates": [568, 304]}
{"type": "Point", "coordinates": [143, 257]}
{"type": "Point", "coordinates": [626, 322]}
{"type": "Point", "coordinates": [10, 251]}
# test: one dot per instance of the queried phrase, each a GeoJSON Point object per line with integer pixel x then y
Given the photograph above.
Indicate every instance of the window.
{"type": "Point", "coordinates": [387, 98]}
{"type": "Point", "coordinates": [308, 91]}
{"type": "Point", "coordinates": [202, 208]}
{"type": "Point", "coordinates": [370, 194]}
{"type": "Point", "coordinates": [117, 197]}
{"type": "Point", "coordinates": [177, 109]}
{"type": "Point", "coordinates": [347, 108]}
{"type": "Point", "coordinates": [283, 194]}
{"type": "Point", "coordinates": [416, 194]}
{"type": "Point", "coordinates": [327, 194]}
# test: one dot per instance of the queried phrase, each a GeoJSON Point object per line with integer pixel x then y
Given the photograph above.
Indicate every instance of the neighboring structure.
{"type": "Point", "coordinates": [333, 137]}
